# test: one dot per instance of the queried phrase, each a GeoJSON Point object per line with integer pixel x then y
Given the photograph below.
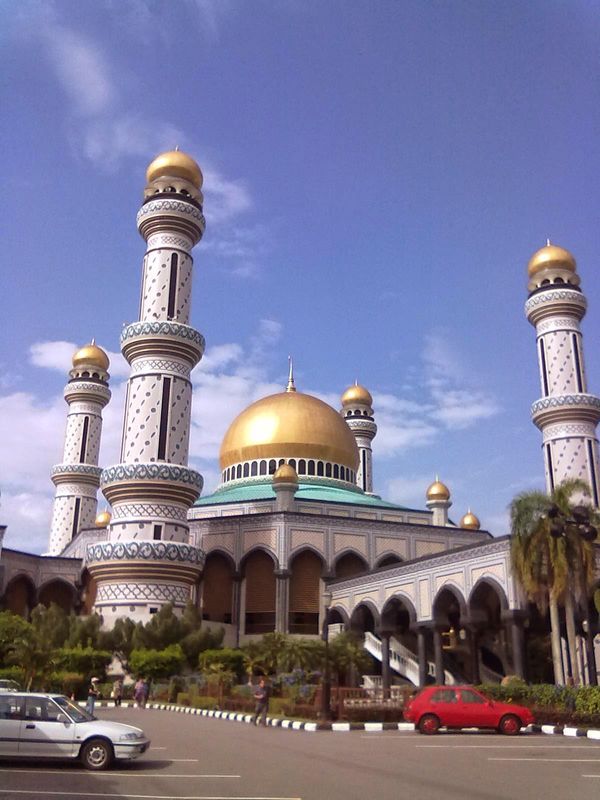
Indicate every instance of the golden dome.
{"type": "Point", "coordinates": [356, 394]}
{"type": "Point", "coordinates": [470, 521]}
{"type": "Point", "coordinates": [438, 491]}
{"type": "Point", "coordinates": [103, 519]}
{"type": "Point", "coordinates": [285, 474]}
{"type": "Point", "coordinates": [91, 355]}
{"type": "Point", "coordinates": [551, 257]}
{"type": "Point", "coordinates": [289, 425]}
{"type": "Point", "coordinates": [175, 164]}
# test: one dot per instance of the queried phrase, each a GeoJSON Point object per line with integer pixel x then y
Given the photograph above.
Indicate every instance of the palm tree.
{"type": "Point", "coordinates": [552, 562]}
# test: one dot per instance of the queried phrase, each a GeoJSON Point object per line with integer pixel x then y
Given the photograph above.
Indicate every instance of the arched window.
{"type": "Point", "coordinates": [336, 471]}
{"type": "Point", "coordinates": [292, 462]}
{"type": "Point", "coordinates": [263, 468]}
{"type": "Point", "coordinates": [311, 467]}
{"type": "Point", "coordinates": [320, 468]}
{"type": "Point", "coordinates": [302, 467]}
{"type": "Point", "coordinates": [328, 470]}
{"type": "Point", "coordinates": [246, 469]}
{"type": "Point", "coordinates": [281, 462]}
{"type": "Point", "coordinates": [343, 473]}
{"type": "Point", "coordinates": [254, 469]}
{"type": "Point", "coordinates": [238, 472]}
{"type": "Point", "coordinates": [272, 466]}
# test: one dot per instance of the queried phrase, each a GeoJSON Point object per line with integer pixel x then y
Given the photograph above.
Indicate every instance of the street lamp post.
{"type": "Point", "coordinates": [326, 679]}
{"type": "Point", "coordinates": [579, 521]}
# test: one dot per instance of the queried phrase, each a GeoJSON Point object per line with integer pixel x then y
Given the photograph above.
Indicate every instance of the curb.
{"type": "Point", "coordinates": [340, 727]}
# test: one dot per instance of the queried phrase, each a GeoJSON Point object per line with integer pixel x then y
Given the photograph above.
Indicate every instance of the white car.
{"type": "Point", "coordinates": [51, 726]}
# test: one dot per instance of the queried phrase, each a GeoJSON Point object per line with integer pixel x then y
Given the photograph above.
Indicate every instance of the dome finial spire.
{"type": "Point", "coordinates": [290, 385]}
{"type": "Point", "coordinates": [548, 242]}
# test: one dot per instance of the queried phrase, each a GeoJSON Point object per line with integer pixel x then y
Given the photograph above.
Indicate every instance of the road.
{"type": "Point", "coordinates": [198, 758]}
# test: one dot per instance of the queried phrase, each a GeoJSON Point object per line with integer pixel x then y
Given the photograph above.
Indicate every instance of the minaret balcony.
{"type": "Point", "coordinates": [552, 301]}
{"type": "Point", "coordinates": [176, 215]}
{"type": "Point", "coordinates": [76, 473]}
{"type": "Point", "coordinates": [87, 391]}
{"type": "Point", "coordinates": [154, 481]}
{"type": "Point", "coordinates": [145, 561]}
{"type": "Point", "coordinates": [566, 407]}
{"type": "Point", "coordinates": [168, 339]}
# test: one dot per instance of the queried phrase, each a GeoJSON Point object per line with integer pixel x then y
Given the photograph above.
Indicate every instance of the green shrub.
{"type": "Point", "coordinates": [154, 664]}
{"type": "Point", "coordinates": [205, 701]}
{"type": "Point", "coordinates": [232, 660]}
{"type": "Point", "coordinates": [69, 683]}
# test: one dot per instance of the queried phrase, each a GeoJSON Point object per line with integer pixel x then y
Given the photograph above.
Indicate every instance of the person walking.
{"type": "Point", "coordinates": [261, 695]}
{"type": "Point", "coordinates": [117, 692]}
{"type": "Point", "coordinates": [140, 692]}
{"type": "Point", "coordinates": [92, 695]}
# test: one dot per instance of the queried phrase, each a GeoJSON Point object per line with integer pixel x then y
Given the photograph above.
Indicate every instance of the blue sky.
{"type": "Point", "coordinates": [377, 175]}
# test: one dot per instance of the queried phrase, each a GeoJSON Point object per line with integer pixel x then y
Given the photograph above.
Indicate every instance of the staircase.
{"type": "Point", "coordinates": [402, 660]}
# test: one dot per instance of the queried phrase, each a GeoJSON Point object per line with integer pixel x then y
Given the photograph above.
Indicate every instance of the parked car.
{"type": "Point", "coordinates": [464, 707]}
{"type": "Point", "coordinates": [51, 726]}
{"type": "Point", "coordinates": [7, 685]}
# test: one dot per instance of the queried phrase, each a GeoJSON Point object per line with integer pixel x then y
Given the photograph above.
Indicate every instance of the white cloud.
{"type": "Point", "coordinates": [27, 515]}
{"type": "Point", "coordinates": [408, 491]}
{"type": "Point", "coordinates": [81, 69]}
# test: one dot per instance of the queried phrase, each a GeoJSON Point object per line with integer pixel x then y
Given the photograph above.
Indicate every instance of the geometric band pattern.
{"type": "Point", "coordinates": [143, 510]}
{"type": "Point", "coordinates": [129, 592]}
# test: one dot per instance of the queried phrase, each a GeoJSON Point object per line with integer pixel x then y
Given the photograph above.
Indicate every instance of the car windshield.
{"type": "Point", "coordinates": [77, 714]}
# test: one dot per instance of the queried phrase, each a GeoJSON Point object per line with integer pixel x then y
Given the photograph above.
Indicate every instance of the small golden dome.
{"type": "Point", "coordinates": [470, 521]}
{"type": "Point", "coordinates": [103, 519]}
{"type": "Point", "coordinates": [91, 355]}
{"type": "Point", "coordinates": [551, 257]}
{"type": "Point", "coordinates": [289, 425]}
{"type": "Point", "coordinates": [175, 164]}
{"type": "Point", "coordinates": [356, 394]}
{"type": "Point", "coordinates": [285, 474]}
{"type": "Point", "coordinates": [438, 491]}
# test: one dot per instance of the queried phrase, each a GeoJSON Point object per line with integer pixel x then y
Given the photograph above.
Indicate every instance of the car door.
{"type": "Point", "coordinates": [444, 704]}
{"type": "Point", "coordinates": [45, 730]}
{"type": "Point", "coordinates": [477, 710]}
{"type": "Point", "coordinates": [10, 723]}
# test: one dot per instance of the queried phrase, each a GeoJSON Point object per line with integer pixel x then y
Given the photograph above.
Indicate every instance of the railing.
{"type": "Point", "coordinates": [402, 660]}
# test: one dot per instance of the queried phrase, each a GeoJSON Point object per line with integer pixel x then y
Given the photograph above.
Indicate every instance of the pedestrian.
{"type": "Point", "coordinates": [261, 695]}
{"type": "Point", "coordinates": [92, 695]}
{"type": "Point", "coordinates": [140, 692]}
{"type": "Point", "coordinates": [117, 691]}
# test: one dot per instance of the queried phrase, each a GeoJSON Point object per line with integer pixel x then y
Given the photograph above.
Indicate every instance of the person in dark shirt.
{"type": "Point", "coordinates": [92, 695]}
{"type": "Point", "coordinates": [261, 695]}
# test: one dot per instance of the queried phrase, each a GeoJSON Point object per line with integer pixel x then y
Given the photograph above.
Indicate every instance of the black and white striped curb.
{"type": "Point", "coordinates": [298, 725]}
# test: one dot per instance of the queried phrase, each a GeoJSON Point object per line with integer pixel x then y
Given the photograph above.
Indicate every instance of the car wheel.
{"type": "Point", "coordinates": [429, 724]}
{"type": "Point", "coordinates": [96, 754]}
{"type": "Point", "coordinates": [510, 725]}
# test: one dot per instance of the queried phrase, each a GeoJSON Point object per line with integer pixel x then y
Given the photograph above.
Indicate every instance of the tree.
{"type": "Point", "coordinates": [253, 659]}
{"type": "Point", "coordinates": [12, 628]}
{"type": "Point", "coordinates": [154, 664]}
{"type": "Point", "coordinates": [552, 569]}
{"type": "Point", "coordinates": [346, 651]}
{"type": "Point", "coordinates": [35, 656]}
{"type": "Point", "coordinates": [51, 625]}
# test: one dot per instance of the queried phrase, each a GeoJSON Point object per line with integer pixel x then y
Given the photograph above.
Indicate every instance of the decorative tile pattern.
{"type": "Point", "coordinates": [153, 472]}
{"type": "Point", "coordinates": [144, 551]}
{"type": "Point", "coordinates": [148, 511]}
{"type": "Point", "coordinates": [131, 592]}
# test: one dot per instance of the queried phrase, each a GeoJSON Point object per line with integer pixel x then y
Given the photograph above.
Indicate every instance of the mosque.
{"type": "Point", "coordinates": [294, 539]}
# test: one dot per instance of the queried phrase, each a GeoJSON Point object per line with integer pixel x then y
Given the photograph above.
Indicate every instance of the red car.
{"type": "Point", "coordinates": [463, 707]}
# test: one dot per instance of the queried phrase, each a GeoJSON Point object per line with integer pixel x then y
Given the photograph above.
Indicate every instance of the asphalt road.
{"type": "Point", "coordinates": [198, 758]}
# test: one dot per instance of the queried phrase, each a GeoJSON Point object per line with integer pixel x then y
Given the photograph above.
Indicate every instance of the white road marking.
{"type": "Point", "coordinates": [590, 776]}
{"type": "Point", "coordinates": [147, 796]}
{"type": "Point", "coordinates": [521, 746]}
{"type": "Point", "coordinates": [109, 774]}
{"type": "Point", "coordinates": [578, 760]}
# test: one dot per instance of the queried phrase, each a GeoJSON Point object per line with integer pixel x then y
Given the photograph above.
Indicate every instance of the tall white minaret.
{"type": "Point", "coordinates": [146, 561]}
{"type": "Point", "coordinates": [566, 413]}
{"type": "Point", "coordinates": [78, 476]}
{"type": "Point", "coordinates": [357, 410]}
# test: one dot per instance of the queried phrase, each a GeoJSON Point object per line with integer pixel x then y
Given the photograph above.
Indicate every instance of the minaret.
{"type": "Point", "coordinates": [146, 561]}
{"type": "Point", "coordinates": [357, 410]}
{"type": "Point", "coordinates": [566, 413]}
{"type": "Point", "coordinates": [438, 500]}
{"type": "Point", "coordinates": [78, 476]}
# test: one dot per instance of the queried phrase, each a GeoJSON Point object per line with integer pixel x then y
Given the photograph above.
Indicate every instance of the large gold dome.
{"type": "Point", "coordinates": [289, 425]}
{"type": "Point", "coordinates": [175, 164]}
{"type": "Point", "coordinates": [551, 257]}
{"type": "Point", "coordinates": [91, 355]}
